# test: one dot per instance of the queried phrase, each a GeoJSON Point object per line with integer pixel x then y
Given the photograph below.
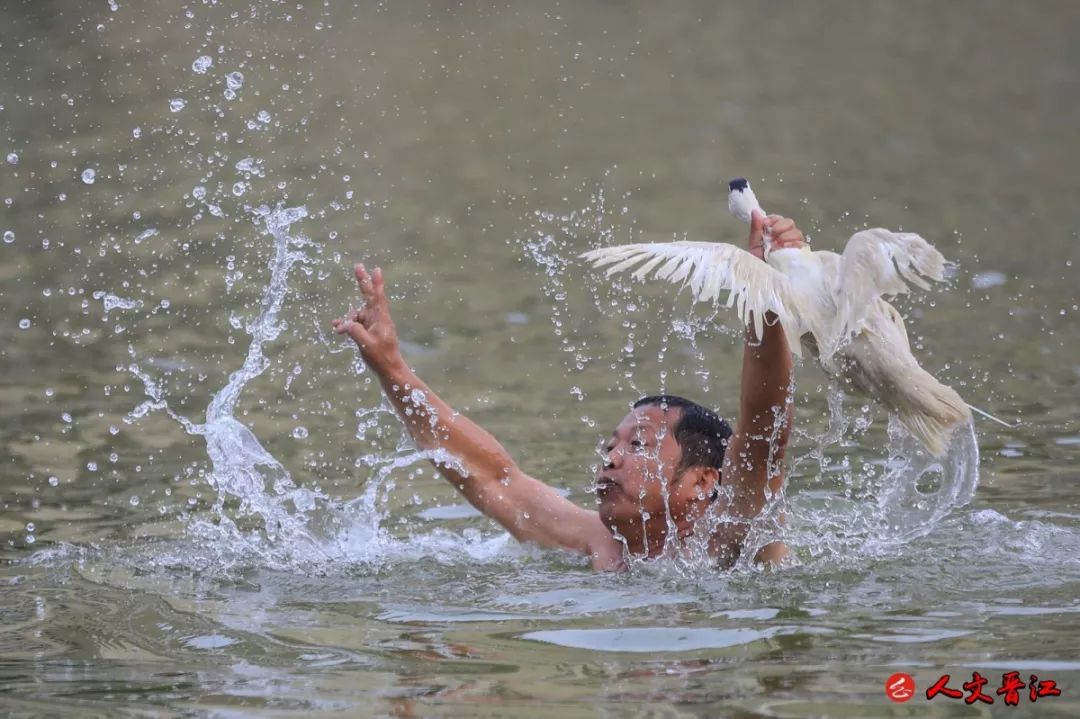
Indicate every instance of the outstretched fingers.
{"type": "Point", "coordinates": [372, 286]}
{"type": "Point", "coordinates": [353, 325]}
{"type": "Point", "coordinates": [358, 323]}
{"type": "Point", "coordinates": [363, 279]}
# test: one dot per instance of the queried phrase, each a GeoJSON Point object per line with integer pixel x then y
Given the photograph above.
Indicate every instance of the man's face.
{"type": "Point", "coordinates": [635, 479]}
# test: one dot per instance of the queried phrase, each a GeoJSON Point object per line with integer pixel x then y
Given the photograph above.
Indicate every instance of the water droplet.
{"type": "Point", "coordinates": [89, 175]}
{"type": "Point", "coordinates": [134, 501]}
{"type": "Point", "coordinates": [113, 6]}
{"type": "Point", "coordinates": [202, 64]}
{"type": "Point", "coordinates": [177, 104]}
{"type": "Point", "coordinates": [136, 132]}
{"type": "Point", "coordinates": [13, 158]}
{"type": "Point", "coordinates": [234, 80]}
{"type": "Point", "coordinates": [250, 165]}
{"type": "Point", "coordinates": [24, 324]}
{"type": "Point", "coordinates": [198, 192]}
{"type": "Point", "coordinates": [145, 235]}
{"type": "Point", "coordinates": [9, 237]}
{"type": "Point", "coordinates": [986, 280]}
{"type": "Point", "coordinates": [300, 433]}
{"type": "Point", "coordinates": [92, 466]}
{"type": "Point", "coordinates": [239, 188]}
{"type": "Point", "coordinates": [264, 116]}
{"type": "Point", "coordinates": [54, 481]}
{"type": "Point", "coordinates": [30, 539]}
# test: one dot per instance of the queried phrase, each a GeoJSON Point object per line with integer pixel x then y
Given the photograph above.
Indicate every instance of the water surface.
{"type": "Point", "coordinates": [473, 152]}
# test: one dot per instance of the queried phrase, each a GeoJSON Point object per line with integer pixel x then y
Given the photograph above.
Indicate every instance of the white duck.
{"type": "Point", "coordinates": [831, 303]}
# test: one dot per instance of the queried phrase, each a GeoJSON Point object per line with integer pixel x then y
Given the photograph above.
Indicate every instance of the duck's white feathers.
{"type": "Point", "coordinates": [878, 262]}
{"type": "Point", "coordinates": [878, 361]}
{"type": "Point", "coordinates": [708, 268]}
{"type": "Point", "coordinates": [834, 302]}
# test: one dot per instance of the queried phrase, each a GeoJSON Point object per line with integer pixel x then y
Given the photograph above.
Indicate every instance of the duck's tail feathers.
{"type": "Point", "coordinates": [931, 411]}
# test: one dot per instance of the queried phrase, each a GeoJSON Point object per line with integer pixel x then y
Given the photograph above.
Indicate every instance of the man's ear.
{"type": "Point", "coordinates": [709, 481]}
{"type": "Point", "coordinates": [703, 480]}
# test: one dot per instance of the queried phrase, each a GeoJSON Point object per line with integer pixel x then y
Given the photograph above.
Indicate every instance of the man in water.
{"type": "Point", "coordinates": [670, 464]}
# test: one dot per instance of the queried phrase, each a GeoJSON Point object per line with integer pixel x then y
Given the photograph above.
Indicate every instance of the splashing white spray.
{"type": "Point", "coordinates": [261, 515]}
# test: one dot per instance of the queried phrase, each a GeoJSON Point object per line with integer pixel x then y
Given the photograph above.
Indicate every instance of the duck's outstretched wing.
{"type": "Point", "coordinates": [879, 262]}
{"type": "Point", "coordinates": [754, 287]}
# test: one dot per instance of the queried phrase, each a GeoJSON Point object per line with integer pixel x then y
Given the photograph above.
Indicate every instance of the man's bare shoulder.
{"type": "Point", "coordinates": [605, 552]}
{"type": "Point", "coordinates": [534, 511]}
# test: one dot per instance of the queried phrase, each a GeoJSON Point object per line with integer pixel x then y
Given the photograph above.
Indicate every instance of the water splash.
{"type": "Point", "coordinates": [886, 505]}
{"type": "Point", "coordinates": [261, 516]}
{"type": "Point", "coordinates": [918, 490]}
{"type": "Point", "coordinates": [258, 503]}
{"type": "Point", "coordinates": [112, 302]}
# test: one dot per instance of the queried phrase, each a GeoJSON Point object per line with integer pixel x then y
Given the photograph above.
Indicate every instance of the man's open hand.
{"type": "Point", "coordinates": [782, 232]}
{"type": "Point", "coordinates": [371, 327]}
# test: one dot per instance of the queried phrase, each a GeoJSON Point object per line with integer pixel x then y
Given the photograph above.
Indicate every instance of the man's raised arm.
{"type": "Point", "coordinates": [479, 467]}
{"type": "Point", "coordinates": [753, 465]}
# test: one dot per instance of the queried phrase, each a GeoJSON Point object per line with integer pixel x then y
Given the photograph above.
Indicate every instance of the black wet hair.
{"type": "Point", "coordinates": [739, 183]}
{"type": "Point", "coordinates": [700, 433]}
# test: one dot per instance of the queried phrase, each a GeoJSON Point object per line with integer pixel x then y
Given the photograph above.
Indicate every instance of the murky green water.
{"type": "Point", "coordinates": [472, 152]}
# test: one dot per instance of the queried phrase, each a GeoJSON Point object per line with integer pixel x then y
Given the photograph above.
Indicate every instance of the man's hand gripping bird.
{"type": "Point", "coordinates": [830, 303]}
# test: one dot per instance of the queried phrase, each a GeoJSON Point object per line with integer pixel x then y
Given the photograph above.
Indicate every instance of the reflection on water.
{"type": "Point", "coordinates": [654, 640]}
{"type": "Point", "coordinates": [289, 553]}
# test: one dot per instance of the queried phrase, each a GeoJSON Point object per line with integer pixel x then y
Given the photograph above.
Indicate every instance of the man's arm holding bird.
{"type": "Point", "coordinates": [753, 467]}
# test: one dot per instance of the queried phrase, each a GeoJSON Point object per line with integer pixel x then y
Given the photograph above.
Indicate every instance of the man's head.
{"type": "Point", "coordinates": [665, 455]}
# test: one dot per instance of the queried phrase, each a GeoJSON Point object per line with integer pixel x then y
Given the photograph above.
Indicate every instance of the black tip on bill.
{"type": "Point", "coordinates": [739, 183]}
